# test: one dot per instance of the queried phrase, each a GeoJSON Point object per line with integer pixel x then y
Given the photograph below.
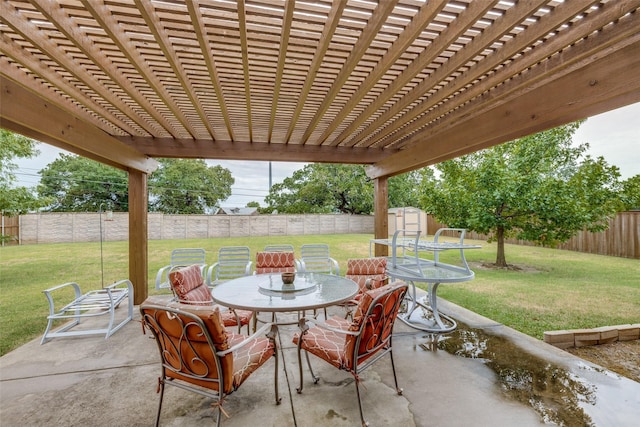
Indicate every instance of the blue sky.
{"type": "Point", "coordinates": [615, 135]}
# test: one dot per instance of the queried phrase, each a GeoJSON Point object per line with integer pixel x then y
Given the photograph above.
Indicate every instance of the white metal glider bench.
{"type": "Point", "coordinates": [91, 304]}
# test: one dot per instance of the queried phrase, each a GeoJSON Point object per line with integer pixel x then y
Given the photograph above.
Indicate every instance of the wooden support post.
{"type": "Point", "coordinates": [138, 249]}
{"type": "Point", "coordinates": [381, 213]}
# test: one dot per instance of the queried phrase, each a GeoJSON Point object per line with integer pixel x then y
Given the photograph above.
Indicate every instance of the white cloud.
{"type": "Point", "coordinates": [252, 179]}
{"type": "Point", "coordinates": [614, 135]}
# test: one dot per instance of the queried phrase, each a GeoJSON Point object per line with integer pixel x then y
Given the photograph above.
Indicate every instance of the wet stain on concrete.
{"type": "Point", "coordinates": [552, 391]}
{"type": "Point", "coordinates": [331, 414]}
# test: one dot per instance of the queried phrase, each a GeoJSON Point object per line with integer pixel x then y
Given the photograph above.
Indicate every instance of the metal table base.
{"type": "Point", "coordinates": [424, 315]}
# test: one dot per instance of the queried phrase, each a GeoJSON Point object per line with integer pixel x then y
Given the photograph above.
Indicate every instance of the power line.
{"type": "Point", "coordinates": [122, 184]}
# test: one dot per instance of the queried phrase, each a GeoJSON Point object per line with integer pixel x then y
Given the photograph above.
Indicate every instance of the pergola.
{"type": "Point", "coordinates": [392, 84]}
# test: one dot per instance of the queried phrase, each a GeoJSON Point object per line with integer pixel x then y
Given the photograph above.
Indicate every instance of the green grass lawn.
{"type": "Point", "coordinates": [554, 290]}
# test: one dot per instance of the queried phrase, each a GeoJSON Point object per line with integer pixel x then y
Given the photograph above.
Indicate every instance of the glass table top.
{"type": "Point", "coordinates": [266, 292]}
{"type": "Point", "coordinates": [406, 268]}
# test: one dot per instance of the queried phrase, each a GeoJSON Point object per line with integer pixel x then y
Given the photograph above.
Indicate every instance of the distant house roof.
{"type": "Point", "coordinates": [237, 211]}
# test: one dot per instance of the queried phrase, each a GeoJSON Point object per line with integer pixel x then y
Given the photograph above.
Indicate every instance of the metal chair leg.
{"type": "Point", "coordinates": [275, 382]}
{"type": "Point", "coordinates": [272, 335]}
{"type": "Point", "coordinates": [299, 389]}
{"type": "Point", "coordinates": [395, 379]}
{"type": "Point", "coordinates": [364, 423]}
{"type": "Point", "coordinates": [160, 404]}
{"type": "Point", "coordinates": [219, 415]}
{"type": "Point", "coordinates": [313, 375]}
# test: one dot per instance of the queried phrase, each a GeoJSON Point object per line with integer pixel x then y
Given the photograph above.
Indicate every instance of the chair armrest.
{"type": "Point", "coordinates": [336, 266]}
{"type": "Point", "coordinates": [210, 271]}
{"type": "Point", "coordinates": [208, 303]}
{"type": "Point", "coordinates": [303, 324]}
{"type": "Point", "coordinates": [371, 283]}
{"type": "Point", "coordinates": [247, 269]}
{"type": "Point", "coordinates": [203, 270]}
{"type": "Point", "coordinates": [116, 293]}
{"type": "Point", "coordinates": [162, 272]}
{"type": "Point", "coordinates": [74, 284]}
{"type": "Point", "coordinates": [462, 232]}
{"type": "Point", "coordinates": [119, 286]}
{"type": "Point", "coordinates": [47, 292]}
{"type": "Point", "coordinates": [273, 330]}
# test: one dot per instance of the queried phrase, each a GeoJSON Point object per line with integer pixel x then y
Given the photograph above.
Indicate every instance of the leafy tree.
{"type": "Point", "coordinates": [186, 186]}
{"type": "Point", "coordinates": [15, 200]}
{"type": "Point", "coordinates": [539, 188]}
{"type": "Point", "coordinates": [323, 188]}
{"type": "Point", "coordinates": [404, 190]}
{"type": "Point", "coordinates": [630, 194]}
{"type": "Point", "coordinates": [337, 188]}
{"type": "Point", "coordinates": [79, 184]}
{"type": "Point", "coordinates": [253, 205]}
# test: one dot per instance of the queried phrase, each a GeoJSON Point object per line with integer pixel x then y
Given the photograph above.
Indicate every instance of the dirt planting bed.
{"type": "Point", "coordinates": [621, 357]}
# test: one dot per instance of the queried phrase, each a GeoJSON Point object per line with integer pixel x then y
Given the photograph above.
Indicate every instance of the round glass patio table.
{"type": "Point", "coordinates": [266, 292]}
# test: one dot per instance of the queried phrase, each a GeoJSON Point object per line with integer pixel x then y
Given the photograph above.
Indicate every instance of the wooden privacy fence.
{"type": "Point", "coordinates": [10, 228]}
{"type": "Point", "coordinates": [622, 239]}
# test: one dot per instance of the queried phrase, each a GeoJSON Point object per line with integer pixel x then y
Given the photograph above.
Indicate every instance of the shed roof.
{"type": "Point", "coordinates": [237, 211]}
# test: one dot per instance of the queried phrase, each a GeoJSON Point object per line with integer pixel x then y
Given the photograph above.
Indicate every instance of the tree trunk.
{"type": "Point", "coordinates": [501, 261]}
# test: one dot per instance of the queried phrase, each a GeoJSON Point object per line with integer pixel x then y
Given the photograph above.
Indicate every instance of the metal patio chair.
{"type": "Point", "coordinates": [180, 257]}
{"type": "Point", "coordinates": [188, 287]}
{"type": "Point", "coordinates": [368, 273]}
{"type": "Point", "coordinates": [275, 262]}
{"type": "Point", "coordinates": [197, 353]}
{"type": "Point", "coordinates": [279, 248]}
{"type": "Point", "coordinates": [315, 258]}
{"type": "Point", "coordinates": [233, 262]}
{"type": "Point", "coordinates": [356, 345]}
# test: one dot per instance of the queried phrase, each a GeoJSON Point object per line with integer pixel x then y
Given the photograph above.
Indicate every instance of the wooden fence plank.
{"type": "Point", "coordinates": [11, 228]}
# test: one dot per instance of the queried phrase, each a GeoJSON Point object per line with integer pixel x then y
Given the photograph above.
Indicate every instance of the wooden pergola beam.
{"type": "Point", "coordinates": [227, 150]}
{"type": "Point", "coordinates": [25, 112]}
{"type": "Point", "coordinates": [587, 91]}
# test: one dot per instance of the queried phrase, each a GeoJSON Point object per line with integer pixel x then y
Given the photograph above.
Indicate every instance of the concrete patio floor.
{"type": "Point", "coordinates": [499, 378]}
